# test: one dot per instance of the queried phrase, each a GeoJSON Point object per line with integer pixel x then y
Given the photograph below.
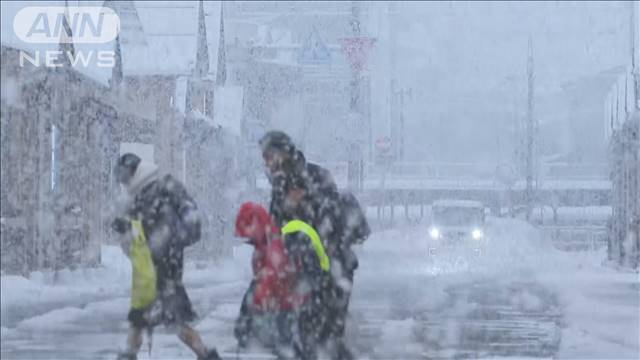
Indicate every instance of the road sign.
{"type": "Point", "coordinates": [314, 51]}
{"type": "Point", "coordinates": [384, 153]}
{"type": "Point", "coordinates": [383, 145]}
{"type": "Point", "coordinates": [357, 48]}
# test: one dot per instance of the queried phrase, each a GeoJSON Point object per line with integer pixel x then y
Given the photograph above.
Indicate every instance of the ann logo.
{"type": "Point", "coordinates": [78, 25]}
{"type": "Point", "coordinates": [54, 24]}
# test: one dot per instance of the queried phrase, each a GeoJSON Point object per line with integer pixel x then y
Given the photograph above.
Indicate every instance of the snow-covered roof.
{"type": "Point", "coordinates": [8, 37]}
{"type": "Point", "coordinates": [595, 85]}
{"type": "Point", "coordinates": [8, 11]}
{"type": "Point", "coordinates": [156, 37]}
{"type": "Point", "coordinates": [161, 37]}
{"type": "Point", "coordinates": [458, 203]}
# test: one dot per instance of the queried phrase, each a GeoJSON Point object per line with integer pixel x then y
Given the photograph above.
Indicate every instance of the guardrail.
{"type": "Point", "coordinates": [487, 170]}
{"type": "Point", "coordinates": [576, 238]}
{"type": "Point", "coordinates": [415, 173]}
{"type": "Point", "coordinates": [415, 190]}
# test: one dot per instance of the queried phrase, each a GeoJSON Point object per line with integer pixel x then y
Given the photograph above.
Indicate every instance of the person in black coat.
{"type": "Point", "coordinates": [324, 209]}
{"type": "Point", "coordinates": [314, 280]}
{"type": "Point", "coordinates": [170, 222]}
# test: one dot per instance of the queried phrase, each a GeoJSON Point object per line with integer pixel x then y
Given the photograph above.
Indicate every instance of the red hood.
{"type": "Point", "coordinates": [253, 222]}
{"type": "Point", "coordinates": [274, 272]}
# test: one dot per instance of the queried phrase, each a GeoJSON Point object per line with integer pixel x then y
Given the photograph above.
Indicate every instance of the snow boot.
{"type": "Point", "coordinates": [343, 352]}
{"type": "Point", "coordinates": [127, 356]}
{"type": "Point", "coordinates": [211, 355]}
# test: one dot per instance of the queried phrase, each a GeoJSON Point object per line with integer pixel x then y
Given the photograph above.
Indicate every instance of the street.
{"type": "Point", "coordinates": [483, 156]}
{"type": "Point", "coordinates": [493, 326]}
{"type": "Point", "coordinates": [406, 304]}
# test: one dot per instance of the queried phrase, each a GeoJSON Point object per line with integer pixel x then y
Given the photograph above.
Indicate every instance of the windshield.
{"type": "Point", "coordinates": [458, 216]}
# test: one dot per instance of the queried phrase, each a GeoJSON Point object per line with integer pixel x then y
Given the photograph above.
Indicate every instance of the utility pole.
{"type": "Point", "coordinates": [392, 14]}
{"type": "Point", "coordinates": [635, 49]}
{"type": "Point", "coordinates": [531, 133]}
{"type": "Point", "coordinates": [356, 48]}
{"type": "Point", "coordinates": [400, 139]}
{"type": "Point", "coordinates": [354, 168]}
{"type": "Point", "coordinates": [634, 122]}
{"type": "Point", "coordinates": [355, 80]}
{"type": "Point", "coordinates": [401, 143]}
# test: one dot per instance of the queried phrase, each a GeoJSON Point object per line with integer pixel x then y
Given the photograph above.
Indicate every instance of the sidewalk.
{"type": "Point", "coordinates": [45, 292]}
{"type": "Point", "coordinates": [81, 314]}
{"type": "Point", "coordinates": [601, 308]}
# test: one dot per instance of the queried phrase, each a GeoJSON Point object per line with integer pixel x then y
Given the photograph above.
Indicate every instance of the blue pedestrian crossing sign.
{"type": "Point", "coordinates": [314, 51]}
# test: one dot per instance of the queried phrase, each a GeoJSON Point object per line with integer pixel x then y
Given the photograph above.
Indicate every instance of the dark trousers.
{"type": "Point", "coordinates": [244, 322]}
{"type": "Point", "coordinates": [250, 325]}
{"type": "Point", "coordinates": [310, 322]}
{"type": "Point", "coordinates": [336, 315]}
{"type": "Point", "coordinates": [337, 310]}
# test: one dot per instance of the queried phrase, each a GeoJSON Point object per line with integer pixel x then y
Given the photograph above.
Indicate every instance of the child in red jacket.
{"type": "Point", "coordinates": [270, 299]}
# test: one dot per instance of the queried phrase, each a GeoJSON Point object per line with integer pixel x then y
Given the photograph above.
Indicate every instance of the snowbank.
{"type": "Point", "coordinates": [44, 291]}
{"type": "Point", "coordinates": [601, 307]}
{"type": "Point", "coordinates": [397, 339]}
{"type": "Point", "coordinates": [45, 300]}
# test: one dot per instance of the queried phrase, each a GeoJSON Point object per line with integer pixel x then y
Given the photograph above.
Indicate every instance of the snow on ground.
{"type": "Point", "coordinates": [45, 296]}
{"type": "Point", "coordinates": [601, 307]}
{"type": "Point", "coordinates": [401, 291]}
{"type": "Point", "coordinates": [82, 313]}
{"type": "Point", "coordinates": [402, 288]}
{"type": "Point", "coordinates": [42, 292]}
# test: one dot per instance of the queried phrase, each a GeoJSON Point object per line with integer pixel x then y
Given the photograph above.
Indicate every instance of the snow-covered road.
{"type": "Point", "coordinates": [521, 299]}
{"type": "Point", "coordinates": [411, 303]}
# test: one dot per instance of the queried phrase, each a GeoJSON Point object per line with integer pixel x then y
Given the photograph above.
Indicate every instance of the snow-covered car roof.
{"type": "Point", "coordinates": [458, 203]}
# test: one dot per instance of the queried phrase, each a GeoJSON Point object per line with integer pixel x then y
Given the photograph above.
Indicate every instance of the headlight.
{"type": "Point", "coordinates": [435, 233]}
{"type": "Point", "coordinates": [477, 234]}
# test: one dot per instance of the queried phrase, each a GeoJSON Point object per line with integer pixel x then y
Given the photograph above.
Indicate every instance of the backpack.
{"type": "Point", "coordinates": [355, 228]}
{"type": "Point", "coordinates": [186, 217]}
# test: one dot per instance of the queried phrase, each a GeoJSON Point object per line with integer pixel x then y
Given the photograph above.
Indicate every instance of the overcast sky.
{"type": "Point", "coordinates": [482, 42]}
{"type": "Point", "coordinates": [466, 65]}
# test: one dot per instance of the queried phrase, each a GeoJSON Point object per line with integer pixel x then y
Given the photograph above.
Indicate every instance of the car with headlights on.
{"type": "Point", "coordinates": [458, 222]}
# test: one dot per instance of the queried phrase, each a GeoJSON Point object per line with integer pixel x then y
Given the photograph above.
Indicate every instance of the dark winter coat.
{"type": "Point", "coordinates": [340, 222]}
{"type": "Point", "coordinates": [317, 180]}
{"type": "Point", "coordinates": [170, 221]}
{"type": "Point", "coordinates": [324, 209]}
{"type": "Point", "coordinates": [311, 279]}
